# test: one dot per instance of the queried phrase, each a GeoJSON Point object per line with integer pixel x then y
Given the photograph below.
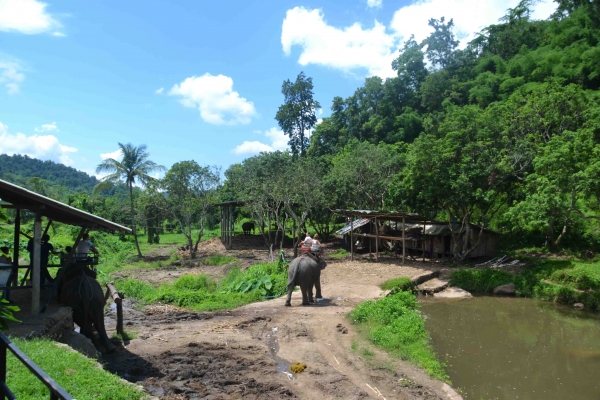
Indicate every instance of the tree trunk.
{"type": "Point", "coordinates": [135, 238]}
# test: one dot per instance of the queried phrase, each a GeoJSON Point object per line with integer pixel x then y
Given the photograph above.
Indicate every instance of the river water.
{"type": "Point", "coordinates": [511, 348]}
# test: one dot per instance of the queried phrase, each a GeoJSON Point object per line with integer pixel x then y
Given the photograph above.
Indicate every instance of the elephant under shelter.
{"type": "Point", "coordinates": [30, 296]}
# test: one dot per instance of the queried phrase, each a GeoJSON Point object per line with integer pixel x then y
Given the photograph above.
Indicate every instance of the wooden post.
{"type": "Point", "coordinates": [230, 226]}
{"type": "Point", "coordinates": [47, 227]}
{"type": "Point", "coordinates": [116, 297]}
{"type": "Point", "coordinates": [352, 239]}
{"type": "Point", "coordinates": [16, 248]}
{"type": "Point", "coordinates": [376, 241]}
{"type": "Point", "coordinates": [36, 269]}
{"type": "Point", "coordinates": [423, 241]}
{"type": "Point", "coordinates": [403, 240]}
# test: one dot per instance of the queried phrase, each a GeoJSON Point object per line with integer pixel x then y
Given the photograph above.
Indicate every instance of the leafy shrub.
{"type": "Point", "coordinates": [194, 282]}
{"type": "Point", "coordinates": [402, 283]}
{"type": "Point", "coordinates": [394, 324]}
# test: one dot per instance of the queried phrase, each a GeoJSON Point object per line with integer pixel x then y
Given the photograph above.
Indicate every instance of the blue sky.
{"type": "Point", "coordinates": [193, 80]}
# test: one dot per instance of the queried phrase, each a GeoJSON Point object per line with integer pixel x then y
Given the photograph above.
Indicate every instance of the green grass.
{"type": "Point", "coordinates": [217, 259]}
{"type": "Point", "coordinates": [78, 375]}
{"type": "Point", "coordinates": [402, 283]}
{"type": "Point", "coordinates": [339, 253]}
{"type": "Point", "coordinates": [201, 293]}
{"type": "Point", "coordinates": [395, 325]}
{"type": "Point", "coordinates": [559, 280]}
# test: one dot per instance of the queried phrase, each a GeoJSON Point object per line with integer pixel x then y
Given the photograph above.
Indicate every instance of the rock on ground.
{"type": "Point", "coordinates": [80, 343]}
{"type": "Point", "coordinates": [453, 293]}
{"type": "Point", "coordinates": [508, 289]}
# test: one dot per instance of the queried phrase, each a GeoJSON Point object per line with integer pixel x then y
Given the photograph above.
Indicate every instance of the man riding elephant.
{"type": "Point", "coordinates": [305, 271]}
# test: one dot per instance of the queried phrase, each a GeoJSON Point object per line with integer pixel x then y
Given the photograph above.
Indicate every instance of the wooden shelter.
{"type": "Point", "coordinates": [365, 216]}
{"type": "Point", "coordinates": [18, 198]}
{"type": "Point", "coordinates": [437, 239]}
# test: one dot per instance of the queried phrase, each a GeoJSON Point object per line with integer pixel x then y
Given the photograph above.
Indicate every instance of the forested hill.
{"type": "Point", "coordinates": [504, 133]}
{"type": "Point", "coordinates": [36, 174]}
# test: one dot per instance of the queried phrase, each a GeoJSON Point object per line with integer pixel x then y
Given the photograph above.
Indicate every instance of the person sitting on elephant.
{"type": "Point", "coordinates": [315, 247]}
{"type": "Point", "coordinates": [306, 244]}
{"type": "Point", "coordinates": [84, 247]}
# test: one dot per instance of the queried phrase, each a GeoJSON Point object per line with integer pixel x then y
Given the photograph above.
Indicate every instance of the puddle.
{"type": "Point", "coordinates": [113, 307]}
{"type": "Point", "coordinates": [283, 366]}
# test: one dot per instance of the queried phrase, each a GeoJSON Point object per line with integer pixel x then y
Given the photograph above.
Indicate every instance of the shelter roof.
{"type": "Point", "coordinates": [351, 226]}
{"type": "Point", "coordinates": [19, 197]}
{"type": "Point", "coordinates": [382, 214]}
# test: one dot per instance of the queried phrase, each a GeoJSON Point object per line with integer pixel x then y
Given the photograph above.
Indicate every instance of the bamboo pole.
{"type": "Point", "coordinates": [36, 278]}
{"type": "Point", "coordinates": [423, 241]}
{"type": "Point", "coordinates": [16, 248]}
{"type": "Point", "coordinates": [376, 241]}
{"type": "Point", "coordinates": [352, 239]}
{"type": "Point", "coordinates": [403, 240]}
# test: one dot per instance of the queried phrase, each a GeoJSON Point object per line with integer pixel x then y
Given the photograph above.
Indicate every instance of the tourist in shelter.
{"type": "Point", "coordinates": [4, 257]}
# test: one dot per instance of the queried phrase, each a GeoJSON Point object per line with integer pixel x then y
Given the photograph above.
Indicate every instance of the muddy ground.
{"type": "Point", "coordinates": [246, 353]}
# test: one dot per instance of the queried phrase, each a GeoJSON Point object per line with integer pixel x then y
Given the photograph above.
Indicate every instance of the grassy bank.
{"type": "Point", "coordinates": [78, 375]}
{"type": "Point", "coordinates": [395, 325]}
{"type": "Point", "coordinates": [558, 280]}
{"type": "Point", "coordinates": [201, 293]}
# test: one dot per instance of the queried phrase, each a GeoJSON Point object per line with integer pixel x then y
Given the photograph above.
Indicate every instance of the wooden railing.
{"type": "Point", "coordinates": [56, 391]}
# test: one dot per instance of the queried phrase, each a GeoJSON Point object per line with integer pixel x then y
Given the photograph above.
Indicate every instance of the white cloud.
{"type": "Point", "coordinates": [355, 48]}
{"type": "Point", "coordinates": [347, 49]}
{"type": "Point", "coordinates": [278, 139]}
{"type": "Point", "coordinates": [44, 147]}
{"type": "Point", "coordinates": [47, 128]}
{"type": "Point", "coordinates": [253, 147]}
{"type": "Point", "coordinates": [11, 76]}
{"type": "Point", "coordinates": [58, 34]}
{"type": "Point", "coordinates": [214, 96]}
{"type": "Point", "coordinates": [115, 155]}
{"type": "Point", "coordinates": [27, 16]}
{"type": "Point", "coordinates": [159, 91]}
{"type": "Point", "coordinates": [374, 3]}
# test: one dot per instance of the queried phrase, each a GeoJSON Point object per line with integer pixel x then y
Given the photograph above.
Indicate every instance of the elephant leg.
{"type": "Point", "coordinates": [99, 325]}
{"type": "Point", "coordinates": [288, 300]}
{"type": "Point", "coordinates": [305, 289]}
{"type": "Point", "coordinates": [318, 286]}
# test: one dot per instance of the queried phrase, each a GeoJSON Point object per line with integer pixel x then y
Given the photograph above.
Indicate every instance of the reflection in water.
{"type": "Point", "coordinates": [510, 348]}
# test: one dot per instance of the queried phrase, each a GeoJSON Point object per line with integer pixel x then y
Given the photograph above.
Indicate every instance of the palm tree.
{"type": "Point", "coordinates": [134, 167]}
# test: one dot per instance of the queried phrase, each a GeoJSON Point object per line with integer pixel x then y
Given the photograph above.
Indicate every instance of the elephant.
{"type": "Point", "coordinates": [247, 227]}
{"type": "Point", "coordinates": [305, 271]}
{"type": "Point", "coordinates": [84, 295]}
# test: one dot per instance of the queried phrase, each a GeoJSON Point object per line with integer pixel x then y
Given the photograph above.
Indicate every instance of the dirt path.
{"type": "Point", "coordinates": [244, 353]}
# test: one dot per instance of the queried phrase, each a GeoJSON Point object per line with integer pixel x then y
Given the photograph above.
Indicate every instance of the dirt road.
{"type": "Point", "coordinates": [246, 353]}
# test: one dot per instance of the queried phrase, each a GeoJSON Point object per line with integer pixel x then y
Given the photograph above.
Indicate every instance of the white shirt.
{"type": "Point", "coordinates": [83, 248]}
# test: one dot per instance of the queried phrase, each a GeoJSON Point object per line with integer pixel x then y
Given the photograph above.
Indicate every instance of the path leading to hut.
{"type": "Point", "coordinates": [247, 352]}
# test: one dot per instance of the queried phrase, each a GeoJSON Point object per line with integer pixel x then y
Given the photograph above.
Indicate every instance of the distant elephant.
{"type": "Point", "coordinates": [84, 295]}
{"type": "Point", "coordinates": [247, 227]}
{"type": "Point", "coordinates": [305, 271]}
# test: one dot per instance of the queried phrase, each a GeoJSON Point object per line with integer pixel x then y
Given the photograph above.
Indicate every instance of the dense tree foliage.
{"type": "Point", "coordinates": [503, 133]}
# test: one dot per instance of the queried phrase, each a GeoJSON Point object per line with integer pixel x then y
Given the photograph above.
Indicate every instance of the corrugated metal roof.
{"type": "Point", "coordinates": [356, 224]}
{"type": "Point", "coordinates": [442, 228]}
{"type": "Point", "coordinates": [383, 214]}
{"type": "Point", "coordinates": [52, 209]}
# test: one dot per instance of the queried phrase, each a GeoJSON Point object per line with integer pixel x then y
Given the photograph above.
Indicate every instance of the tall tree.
{"type": "Point", "coordinates": [134, 167]}
{"type": "Point", "coordinates": [296, 116]}
{"type": "Point", "coordinates": [192, 191]}
{"type": "Point", "coordinates": [441, 43]}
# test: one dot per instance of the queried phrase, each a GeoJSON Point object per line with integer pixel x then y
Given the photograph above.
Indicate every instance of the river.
{"type": "Point", "coordinates": [513, 348]}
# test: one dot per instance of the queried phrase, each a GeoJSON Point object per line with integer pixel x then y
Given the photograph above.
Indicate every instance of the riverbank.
{"type": "Point", "coordinates": [560, 280]}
